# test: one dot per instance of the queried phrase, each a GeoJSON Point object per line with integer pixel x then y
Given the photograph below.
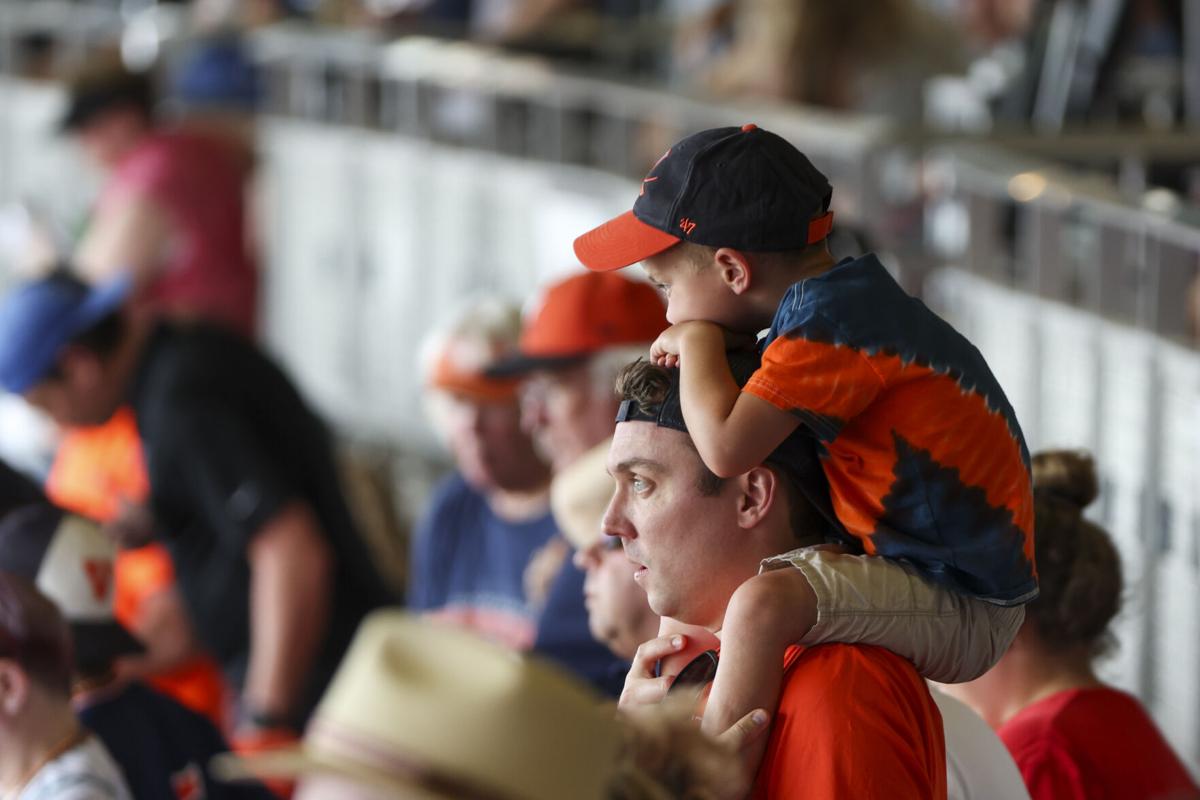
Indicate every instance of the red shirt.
{"type": "Point", "coordinates": [1094, 743]}
{"type": "Point", "coordinates": [853, 721]}
{"type": "Point", "coordinates": [200, 183]}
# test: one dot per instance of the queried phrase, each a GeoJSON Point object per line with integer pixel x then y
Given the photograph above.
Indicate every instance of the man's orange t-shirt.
{"type": "Point", "coordinates": [853, 721]}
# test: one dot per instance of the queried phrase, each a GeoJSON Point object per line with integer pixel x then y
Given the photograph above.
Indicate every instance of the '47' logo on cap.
{"type": "Point", "coordinates": [687, 226]}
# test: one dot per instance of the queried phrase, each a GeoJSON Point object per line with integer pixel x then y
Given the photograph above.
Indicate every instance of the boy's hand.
{"type": "Point", "coordinates": [642, 688]}
{"type": "Point", "coordinates": [682, 336]}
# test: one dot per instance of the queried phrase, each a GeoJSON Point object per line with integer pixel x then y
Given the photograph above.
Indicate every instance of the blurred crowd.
{"type": "Point", "coordinates": [670, 559]}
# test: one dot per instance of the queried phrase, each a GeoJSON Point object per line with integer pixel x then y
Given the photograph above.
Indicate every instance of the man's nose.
{"type": "Point", "coordinates": [614, 522]}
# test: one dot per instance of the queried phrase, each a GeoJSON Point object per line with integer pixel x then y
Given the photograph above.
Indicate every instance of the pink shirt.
{"type": "Point", "coordinates": [199, 182]}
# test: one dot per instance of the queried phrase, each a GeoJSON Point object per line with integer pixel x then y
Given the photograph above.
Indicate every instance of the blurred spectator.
{"type": "Point", "coordinates": [45, 754]}
{"type": "Point", "coordinates": [853, 55]}
{"type": "Point", "coordinates": [243, 485]}
{"type": "Point", "coordinates": [99, 472]}
{"type": "Point", "coordinates": [172, 214]}
{"type": "Point", "coordinates": [618, 613]}
{"type": "Point", "coordinates": [581, 331]}
{"type": "Point", "coordinates": [485, 521]}
{"type": "Point", "coordinates": [162, 748]}
{"type": "Point", "coordinates": [426, 710]}
{"type": "Point", "coordinates": [1070, 734]}
{"type": "Point", "coordinates": [978, 767]}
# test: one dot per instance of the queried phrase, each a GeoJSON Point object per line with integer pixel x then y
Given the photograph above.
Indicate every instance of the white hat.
{"type": "Point", "coordinates": [435, 711]}
{"type": "Point", "coordinates": [72, 562]}
{"type": "Point", "coordinates": [580, 494]}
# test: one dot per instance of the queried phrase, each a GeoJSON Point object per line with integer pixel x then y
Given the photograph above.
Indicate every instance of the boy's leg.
{"type": "Point", "coordinates": [949, 637]}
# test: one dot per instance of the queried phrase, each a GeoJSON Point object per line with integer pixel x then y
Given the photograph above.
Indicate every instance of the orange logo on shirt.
{"type": "Point", "coordinates": [99, 574]}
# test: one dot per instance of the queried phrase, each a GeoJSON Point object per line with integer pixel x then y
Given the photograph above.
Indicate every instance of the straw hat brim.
{"type": "Point", "coordinates": [297, 762]}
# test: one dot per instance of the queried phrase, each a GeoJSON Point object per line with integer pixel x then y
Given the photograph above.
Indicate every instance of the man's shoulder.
{"type": "Point", "coordinates": [185, 365]}
{"type": "Point", "coordinates": [809, 667]}
{"type": "Point", "coordinates": [853, 721]}
{"type": "Point", "coordinates": [831, 684]}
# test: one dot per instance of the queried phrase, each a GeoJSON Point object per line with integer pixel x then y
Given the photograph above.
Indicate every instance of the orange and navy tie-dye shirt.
{"type": "Point", "coordinates": [925, 459]}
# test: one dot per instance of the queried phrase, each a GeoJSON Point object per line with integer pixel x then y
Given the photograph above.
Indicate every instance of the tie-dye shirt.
{"type": "Point", "coordinates": [925, 459]}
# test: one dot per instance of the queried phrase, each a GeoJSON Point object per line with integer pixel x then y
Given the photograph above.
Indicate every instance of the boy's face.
{"type": "Point", "coordinates": [694, 288]}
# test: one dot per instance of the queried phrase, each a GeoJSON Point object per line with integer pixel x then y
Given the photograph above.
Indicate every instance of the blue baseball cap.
{"type": "Point", "coordinates": [39, 317]}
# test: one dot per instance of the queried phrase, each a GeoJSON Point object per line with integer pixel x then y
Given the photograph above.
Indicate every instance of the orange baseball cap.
{"type": "Point", "coordinates": [582, 315]}
{"type": "Point", "coordinates": [461, 368]}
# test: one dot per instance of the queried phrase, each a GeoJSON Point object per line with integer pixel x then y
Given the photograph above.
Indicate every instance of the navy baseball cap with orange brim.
{"type": "Point", "coordinates": [744, 188]}
{"type": "Point", "coordinates": [580, 316]}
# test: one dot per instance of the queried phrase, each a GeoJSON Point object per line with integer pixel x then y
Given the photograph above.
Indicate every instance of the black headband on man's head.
{"type": "Point", "coordinates": [800, 452]}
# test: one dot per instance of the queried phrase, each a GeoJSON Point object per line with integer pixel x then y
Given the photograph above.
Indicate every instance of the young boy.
{"type": "Point", "coordinates": [926, 464]}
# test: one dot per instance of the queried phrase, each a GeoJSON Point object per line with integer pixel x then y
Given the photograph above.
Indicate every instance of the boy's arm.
{"type": "Point", "coordinates": [733, 431]}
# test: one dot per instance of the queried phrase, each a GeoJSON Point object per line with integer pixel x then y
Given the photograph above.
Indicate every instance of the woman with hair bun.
{"type": "Point", "coordinates": [1071, 735]}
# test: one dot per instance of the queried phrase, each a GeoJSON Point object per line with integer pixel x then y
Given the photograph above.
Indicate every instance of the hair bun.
{"type": "Point", "coordinates": [1067, 474]}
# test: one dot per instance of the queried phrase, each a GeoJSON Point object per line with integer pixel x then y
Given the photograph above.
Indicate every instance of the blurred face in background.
{"type": "Point", "coordinates": [109, 136]}
{"type": "Point", "coordinates": [489, 447]}
{"type": "Point", "coordinates": [567, 413]}
{"type": "Point", "coordinates": [619, 615]}
{"type": "Point", "coordinates": [78, 393]}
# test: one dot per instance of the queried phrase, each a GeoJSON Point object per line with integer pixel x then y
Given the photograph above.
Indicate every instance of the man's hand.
{"type": "Point", "coordinates": [132, 527]}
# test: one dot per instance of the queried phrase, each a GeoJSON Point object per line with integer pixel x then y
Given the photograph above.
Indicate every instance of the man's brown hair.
{"type": "Point", "coordinates": [649, 385]}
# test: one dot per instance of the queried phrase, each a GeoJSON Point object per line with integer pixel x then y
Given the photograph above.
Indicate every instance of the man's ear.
{"type": "Point", "coordinates": [758, 488]}
{"type": "Point", "coordinates": [14, 688]}
{"type": "Point", "coordinates": [735, 269]}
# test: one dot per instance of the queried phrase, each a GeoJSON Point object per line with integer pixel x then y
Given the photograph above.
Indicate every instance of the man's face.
{"type": "Point", "coordinates": [566, 413]}
{"type": "Point", "coordinates": [685, 546]}
{"type": "Point", "coordinates": [78, 395]}
{"type": "Point", "coordinates": [108, 137]}
{"type": "Point", "coordinates": [618, 612]}
{"type": "Point", "coordinates": [489, 447]}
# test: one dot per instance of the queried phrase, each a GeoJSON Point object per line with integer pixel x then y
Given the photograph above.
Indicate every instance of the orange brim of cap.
{"type": "Point", "coordinates": [621, 241]}
{"type": "Point", "coordinates": [474, 385]}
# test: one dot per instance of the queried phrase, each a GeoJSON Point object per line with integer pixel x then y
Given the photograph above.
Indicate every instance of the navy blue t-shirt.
{"type": "Point", "coordinates": [468, 564]}
{"type": "Point", "coordinates": [163, 748]}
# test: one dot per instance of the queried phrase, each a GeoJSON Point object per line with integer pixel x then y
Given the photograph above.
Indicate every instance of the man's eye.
{"type": "Point", "coordinates": [639, 484]}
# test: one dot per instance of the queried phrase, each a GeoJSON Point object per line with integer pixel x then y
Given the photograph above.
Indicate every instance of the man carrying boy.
{"type": "Point", "coordinates": [926, 463]}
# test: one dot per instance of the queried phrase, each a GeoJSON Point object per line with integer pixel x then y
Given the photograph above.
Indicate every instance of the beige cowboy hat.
{"type": "Point", "coordinates": [429, 711]}
{"type": "Point", "coordinates": [579, 496]}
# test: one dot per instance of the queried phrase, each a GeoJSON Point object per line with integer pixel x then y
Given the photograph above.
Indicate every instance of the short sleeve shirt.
{"type": "Point", "coordinates": [229, 443]}
{"type": "Point", "coordinates": [85, 772]}
{"type": "Point", "coordinates": [1094, 744]}
{"type": "Point", "coordinates": [924, 456]}
{"type": "Point", "coordinates": [852, 721]}
{"type": "Point", "coordinates": [468, 565]}
{"type": "Point", "coordinates": [200, 183]}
